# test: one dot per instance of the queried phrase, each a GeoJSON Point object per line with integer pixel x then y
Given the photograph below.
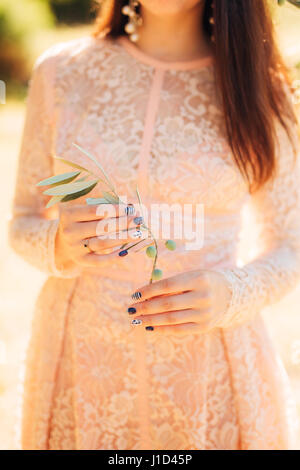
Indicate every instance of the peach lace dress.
{"type": "Point", "coordinates": [93, 381]}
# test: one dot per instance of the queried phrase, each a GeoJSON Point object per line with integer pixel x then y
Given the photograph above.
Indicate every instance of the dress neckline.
{"type": "Point", "coordinates": [142, 56]}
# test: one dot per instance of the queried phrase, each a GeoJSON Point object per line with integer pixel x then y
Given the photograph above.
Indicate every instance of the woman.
{"type": "Point", "coordinates": [192, 102]}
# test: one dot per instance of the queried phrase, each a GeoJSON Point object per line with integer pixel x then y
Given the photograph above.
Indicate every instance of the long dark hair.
{"type": "Point", "coordinates": [250, 73]}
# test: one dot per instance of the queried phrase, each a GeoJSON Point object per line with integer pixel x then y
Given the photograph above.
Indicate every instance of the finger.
{"type": "Point", "coordinates": [94, 260]}
{"type": "Point", "coordinates": [171, 318]}
{"type": "Point", "coordinates": [168, 303]}
{"type": "Point", "coordinates": [182, 282]}
{"type": "Point", "coordinates": [115, 228]}
{"type": "Point", "coordinates": [100, 244]}
{"type": "Point", "coordinates": [85, 212]}
{"type": "Point", "coordinates": [180, 329]}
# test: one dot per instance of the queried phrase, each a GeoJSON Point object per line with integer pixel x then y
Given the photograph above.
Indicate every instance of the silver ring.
{"type": "Point", "coordinates": [86, 244]}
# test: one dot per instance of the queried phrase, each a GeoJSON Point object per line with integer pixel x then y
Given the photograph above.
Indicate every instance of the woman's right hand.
{"type": "Point", "coordinates": [92, 235]}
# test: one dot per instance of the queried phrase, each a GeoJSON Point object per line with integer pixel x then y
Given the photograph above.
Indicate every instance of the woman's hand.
{"type": "Point", "coordinates": [89, 237]}
{"type": "Point", "coordinates": [191, 302]}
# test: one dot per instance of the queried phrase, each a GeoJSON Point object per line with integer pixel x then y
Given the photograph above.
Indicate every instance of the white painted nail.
{"type": "Point", "coordinates": [136, 321]}
{"type": "Point", "coordinates": [137, 234]}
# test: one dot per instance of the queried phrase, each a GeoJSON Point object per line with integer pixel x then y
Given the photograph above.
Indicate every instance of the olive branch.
{"type": "Point", "coordinates": [80, 182]}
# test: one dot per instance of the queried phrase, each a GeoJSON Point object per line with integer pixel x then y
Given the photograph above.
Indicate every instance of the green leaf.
{"type": "Point", "coordinates": [112, 199]}
{"type": "Point", "coordinates": [71, 188]}
{"type": "Point", "coordinates": [71, 197]}
{"type": "Point", "coordinates": [59, 179]}
{"type": "Point", "coordinates": [81, 179]}
{"type": "Point", "coordinates": [91, 157]}
{"type": "Point", "coordinates": [54, 200]}
{"type": "Point", "coordinates": [94, 201]}
{"type": "Point", "coordinates": [72, 164]}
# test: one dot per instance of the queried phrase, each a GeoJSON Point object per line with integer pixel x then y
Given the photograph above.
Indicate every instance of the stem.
{"type": "Point", "coordinates": [154, 261]}
{"type": "Point", "coordinates": [137, 243]}
{"type": "Point", "coordinates": [156, 251]}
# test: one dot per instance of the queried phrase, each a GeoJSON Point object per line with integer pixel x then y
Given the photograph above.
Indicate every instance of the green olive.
{"type": "Point", "coordinates": [157, 274]}
{"type": "Point", "coordinates": [151, 251]}
{"type": "Point", "coordinates": [171, 245]}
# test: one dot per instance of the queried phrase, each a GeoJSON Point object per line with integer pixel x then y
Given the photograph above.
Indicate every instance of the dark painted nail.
{"type": "Point", "coordinates": [138, 220]}
{"type": "Point", "coordinates": [129, 210]}
{"type": "Point", "coordinates": [131, 310]}
{"type": "Point", "coordinates": [123, 253]}
{"type": "Point", "coordinates": [149, 328]}
{"type": "Point", "coordinates": [136, 296]}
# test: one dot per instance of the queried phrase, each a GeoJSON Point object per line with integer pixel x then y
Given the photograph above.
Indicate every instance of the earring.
{"type": "Point", "coordinates": [134, 21]}
{"type": "Point", "coordinates": [212, 22]}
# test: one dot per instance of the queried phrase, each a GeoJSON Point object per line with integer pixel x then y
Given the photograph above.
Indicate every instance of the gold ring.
{"type": "Point", "coordinates": [86, 244]}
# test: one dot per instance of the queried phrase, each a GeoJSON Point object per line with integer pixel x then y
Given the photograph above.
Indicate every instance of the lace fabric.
{"type": "Point", "coordinates": [100, 384]}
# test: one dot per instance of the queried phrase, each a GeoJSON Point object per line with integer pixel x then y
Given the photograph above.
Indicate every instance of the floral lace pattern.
{"type": "Point", "coordinates": [93, 382]}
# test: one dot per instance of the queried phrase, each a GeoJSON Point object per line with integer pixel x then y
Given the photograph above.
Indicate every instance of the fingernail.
{"type": "Point", "coordinates": [136, 296]}
{"type": "Point", "coordinates": [129, 210]}
{"type": "Point", "coordinates": [137, 234]}
{"type": "Point", "coordinates": [123, 253]}
{"type": "Point", "coordinates": [131, 310]}
{"type": "Point", "coordinates": [149, 328]}
{"type": "Point", "coordinates": [136, 321]}
{"type": "Point", "coordinates": [138, 220]}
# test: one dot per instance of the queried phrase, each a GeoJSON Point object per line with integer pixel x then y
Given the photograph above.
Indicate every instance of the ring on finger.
{"type": "Point", "coordinates": [86, 244]}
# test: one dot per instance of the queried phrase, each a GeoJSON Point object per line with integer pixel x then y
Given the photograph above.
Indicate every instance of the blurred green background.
{"type": "Point", "coordinates": [27, 28]}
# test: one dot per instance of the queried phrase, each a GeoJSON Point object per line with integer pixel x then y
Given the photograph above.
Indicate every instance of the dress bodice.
{"type": "Point", "coordinates": [156, 124]}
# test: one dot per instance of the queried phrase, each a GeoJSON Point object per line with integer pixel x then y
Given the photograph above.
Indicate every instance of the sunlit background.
{"type": "Point", "coordinates": [27, 28]}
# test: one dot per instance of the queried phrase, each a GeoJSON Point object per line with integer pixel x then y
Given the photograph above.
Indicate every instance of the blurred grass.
{"type": "Point", "coordinates": [20, 283]}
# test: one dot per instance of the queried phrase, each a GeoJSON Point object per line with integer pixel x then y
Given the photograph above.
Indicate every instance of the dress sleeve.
{"type": "Point", "coordinates": [32, 231]}
{"type": "Point", "coordinates": [276, 270]}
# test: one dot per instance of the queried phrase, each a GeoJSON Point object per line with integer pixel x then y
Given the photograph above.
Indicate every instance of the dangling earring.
{"type": "Point", "coordinates": [212, 22]}
{"type": "Point", "coordinates": [134, 21]}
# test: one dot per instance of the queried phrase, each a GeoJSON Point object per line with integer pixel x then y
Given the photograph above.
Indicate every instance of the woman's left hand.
{"type": "Point", "coordinates": [190, 302]}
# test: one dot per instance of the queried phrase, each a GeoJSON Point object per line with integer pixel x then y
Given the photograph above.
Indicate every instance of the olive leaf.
{"type": "Point", "coordinates": [94, 201]}
{"type": "Point", "coordinates": [54, 200]}
{"type": "Point", "coordinates": [70, 188]}
{"type": "Point", "coordinates": [81, 179]}
{"type": "Point", "coordinates": [110, 198]}
{"type": "Point", "coordinates": [98, 164]}
{"type": "Point", "coordinates": [59, 179]}
{"type": "Point", "coordinates": [72, 164]}
{"type": "Point", "coordinates": [73, 196]}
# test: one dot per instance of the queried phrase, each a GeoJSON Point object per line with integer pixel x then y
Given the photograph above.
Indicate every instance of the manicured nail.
{"type": "Point", "coordinates": [123, 253]}
{"type": "Point", "coordinates": [136, 296]}
{"type": "Point", "coordinates": [138, 220]}
{"type": "Point", "coordinates": [131, 310]}
{"type": "Point", "coordinates": [136, 321]}
{"type": "Point", "coordinates": [149, 328]}
{"type": "Point", "coordinates": [137, 234]}
{"type": "Point", "coordinates": [129, 210]}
